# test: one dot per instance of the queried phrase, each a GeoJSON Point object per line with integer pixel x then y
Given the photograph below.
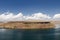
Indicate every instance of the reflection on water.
{"type": "Point", "coordinates": [34, 34]}
{"type": "Point", "coordinates": [3, 30]}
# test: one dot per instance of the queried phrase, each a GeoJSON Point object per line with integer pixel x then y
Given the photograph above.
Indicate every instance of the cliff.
{"type": "Point", "coordinates": [27, 24]}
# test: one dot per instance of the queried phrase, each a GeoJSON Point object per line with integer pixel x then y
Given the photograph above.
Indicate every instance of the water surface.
{"type": "Point", "coordinates": [34, 34]}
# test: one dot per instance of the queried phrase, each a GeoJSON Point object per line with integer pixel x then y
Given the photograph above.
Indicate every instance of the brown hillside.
{"type": "Point", "coordinates": [27, 24]}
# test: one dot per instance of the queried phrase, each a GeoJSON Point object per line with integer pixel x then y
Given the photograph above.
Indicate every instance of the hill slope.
{"type": "Point", "coordinates": [27, 24]}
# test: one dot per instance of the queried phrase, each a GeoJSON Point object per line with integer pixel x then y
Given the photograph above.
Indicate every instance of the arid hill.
{"type": "Point", "coordinates": [27, 24]}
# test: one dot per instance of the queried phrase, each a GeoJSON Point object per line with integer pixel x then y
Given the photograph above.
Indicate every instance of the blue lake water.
{"type": "Point", "coordinates": [34, 34]}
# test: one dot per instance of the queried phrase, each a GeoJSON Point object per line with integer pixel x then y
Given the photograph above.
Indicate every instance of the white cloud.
{"type": "Point", "coordinates": [41, 15]}
{"type": "Point", "coordinates": [8, 16]}
{"type": "Point", "coordinates": [56, 16]}
{"type": "Point", "coordinates": [37, 16]}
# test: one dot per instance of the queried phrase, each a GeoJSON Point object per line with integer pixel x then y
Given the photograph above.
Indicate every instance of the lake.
{"type": "Point", "coordinates": [31, 34]}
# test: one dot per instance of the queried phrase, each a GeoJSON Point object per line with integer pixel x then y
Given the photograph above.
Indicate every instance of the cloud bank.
{"type": "Point", "coordinates": [8, 16]}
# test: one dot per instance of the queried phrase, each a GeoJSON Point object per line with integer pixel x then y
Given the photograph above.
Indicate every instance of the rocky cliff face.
{"type": "Point", "coordinates": [27, 25]}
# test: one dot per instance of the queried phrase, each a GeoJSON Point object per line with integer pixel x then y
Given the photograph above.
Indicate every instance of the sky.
{"type": "Point", "coordinates": [29, 9]}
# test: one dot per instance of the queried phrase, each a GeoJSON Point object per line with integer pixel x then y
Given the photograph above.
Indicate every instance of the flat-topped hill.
{"type": "Point", "coordinates": [27, 24]}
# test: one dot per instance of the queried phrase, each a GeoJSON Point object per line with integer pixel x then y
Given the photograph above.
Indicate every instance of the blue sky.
{"type": "Point", "coordinates": [50, 7]}
{"type": "Point", "coordinates": [16, 10]}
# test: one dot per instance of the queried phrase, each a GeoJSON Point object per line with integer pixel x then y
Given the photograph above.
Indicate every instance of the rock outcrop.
{"type": "Point", "coordinates": [27, 24]}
